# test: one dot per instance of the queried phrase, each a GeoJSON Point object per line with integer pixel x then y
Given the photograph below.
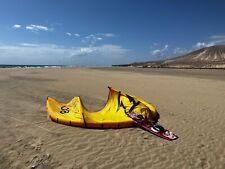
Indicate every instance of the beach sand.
{"type": "Point", "coordinates": [191, 105]}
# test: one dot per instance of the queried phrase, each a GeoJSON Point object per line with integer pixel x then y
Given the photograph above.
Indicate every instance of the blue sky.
{"type": "Point", "coordinates": [105, 32]}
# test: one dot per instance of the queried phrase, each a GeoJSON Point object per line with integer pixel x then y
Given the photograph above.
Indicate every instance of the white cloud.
{"type": "Point", "coordinates": [16, 26]}
{"type": "Point", "coordinates": [180, 51]}
{"type": "Point", "coordinates": [77, 34]}
{"type": "Point", "coordinates": [215, 40]}
{"type": "Point", "coordinates": [29, 44]}
{"type": "Point", "coordinates": [199, 45]}
{"type": "Point", "coordinates": [93, 38]}
{"type": "Point", "coordinates": [156, 52]}
{"type": "Point", "coordinates": [108, 35]}
{"type": "Point", "coordinates": [217, 37]}
{"type": "Point", "coordinates": [99, 38]}
{"type": "Point", "coordinates": [159, 52]}
{"type": "Point", "coordinates": [68, 33]}
{"type": "Point", "coordinates": [28, 53]}
{"type": "Point", "coordinates": [37, 28]}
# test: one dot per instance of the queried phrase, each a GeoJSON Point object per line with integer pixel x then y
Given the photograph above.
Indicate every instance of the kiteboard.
{"type": "Point", "coordinates": [154, 129]}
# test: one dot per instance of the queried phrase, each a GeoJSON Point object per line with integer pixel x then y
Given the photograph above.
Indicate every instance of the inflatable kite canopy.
{"type": "Point", "coordinates": [113, 115]}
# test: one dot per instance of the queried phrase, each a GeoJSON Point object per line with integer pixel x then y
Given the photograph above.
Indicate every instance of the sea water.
{"type": "Point", "coordinates": [31, 66]}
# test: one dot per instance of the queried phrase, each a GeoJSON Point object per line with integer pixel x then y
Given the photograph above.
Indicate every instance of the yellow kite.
{"type": "Point", "coordinates": [113, 115]}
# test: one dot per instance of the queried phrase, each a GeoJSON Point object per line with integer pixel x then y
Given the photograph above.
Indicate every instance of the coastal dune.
{"type": "Point", "coordinates": [192, 106]}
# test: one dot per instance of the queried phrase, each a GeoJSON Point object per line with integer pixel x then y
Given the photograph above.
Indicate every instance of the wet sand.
{"type": "Point", "coordinates": [190, 103]}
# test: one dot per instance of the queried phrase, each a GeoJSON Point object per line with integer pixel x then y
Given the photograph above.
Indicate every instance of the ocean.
{"type": "Point", "coordinates": [32, 66]}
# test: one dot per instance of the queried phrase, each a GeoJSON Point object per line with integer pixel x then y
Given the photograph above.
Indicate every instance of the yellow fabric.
{"type": "Point", "coordinates": [111, 116]}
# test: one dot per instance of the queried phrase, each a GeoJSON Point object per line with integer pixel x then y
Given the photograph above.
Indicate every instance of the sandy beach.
{"type": "Point", "coordinates": [190, 103]}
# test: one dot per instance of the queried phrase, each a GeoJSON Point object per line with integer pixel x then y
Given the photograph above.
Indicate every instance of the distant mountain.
{"type": "Point", "coordinates": [209, 57]}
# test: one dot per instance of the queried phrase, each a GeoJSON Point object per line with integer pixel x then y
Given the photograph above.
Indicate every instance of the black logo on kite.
{"type": "Point", "coordinates": [64, 110]}
{"type": "Point", "coordinates": [131, 99]}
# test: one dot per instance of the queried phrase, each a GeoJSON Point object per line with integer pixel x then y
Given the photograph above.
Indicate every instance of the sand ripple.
{"type": "Point", "coordinates": [192, 108]}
